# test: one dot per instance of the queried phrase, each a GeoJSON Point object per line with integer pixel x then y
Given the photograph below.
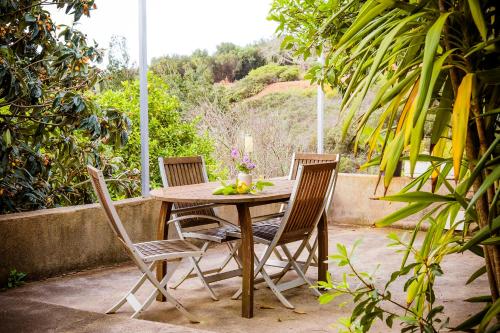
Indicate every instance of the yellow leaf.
{"type": "Point", "coordinates": [409, 102]}
{"type": "Point", "coordinates": [459, 121]}
{"type": "Point", "coordinates": [437, 151]}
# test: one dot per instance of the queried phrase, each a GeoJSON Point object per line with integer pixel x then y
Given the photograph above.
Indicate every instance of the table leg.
{"type": "Point", "coordinates": [162, 233]}
{"type": "Point", "coordinates": [247, 260]}
{"type": "Point", "coordinates": [322, 247]}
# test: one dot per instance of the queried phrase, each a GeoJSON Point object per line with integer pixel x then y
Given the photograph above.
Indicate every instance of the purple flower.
{"type": "Point", "coordinates": [246, 159]}
{"type": "Point", "coordinates": [235, 153]}
{"type": "Point", "coordinates": [250, 166]}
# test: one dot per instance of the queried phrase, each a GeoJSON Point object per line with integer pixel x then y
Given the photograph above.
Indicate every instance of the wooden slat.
{"type": "Point", "coordinates": [307, 204]}
{"type": "Point", "coordinates": [310, 158]}
{"type": "Point", "coordinates": [181, 171]}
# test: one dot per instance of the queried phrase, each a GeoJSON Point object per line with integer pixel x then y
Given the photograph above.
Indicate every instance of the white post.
{"type": "Point", "coordinates": [320, 111]}
{"type": "Point", "coordinates": [143, 79]}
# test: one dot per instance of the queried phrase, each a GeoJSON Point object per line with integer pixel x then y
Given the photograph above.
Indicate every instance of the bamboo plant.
{"type": "Point", "coordinates": [435, 68]}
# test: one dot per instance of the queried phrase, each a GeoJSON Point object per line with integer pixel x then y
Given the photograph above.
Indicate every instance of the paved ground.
{"type": "Point", "coordinates": [76, 302]}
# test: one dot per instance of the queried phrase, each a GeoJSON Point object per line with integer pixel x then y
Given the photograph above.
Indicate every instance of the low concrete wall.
{"type": "Point", "coordinates": [353, 203]}
{"type": "Point", "coordinates": [55, 241]}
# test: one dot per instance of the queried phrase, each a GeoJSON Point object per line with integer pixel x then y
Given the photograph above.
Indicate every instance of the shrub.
{"type": "Point", "coordinates": [169, 135]}
{"type": "Point", "coordinates": [260, 77]}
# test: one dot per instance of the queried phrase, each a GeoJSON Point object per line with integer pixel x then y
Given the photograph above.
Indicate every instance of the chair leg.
{"type": "Point", "coordinates": [312, 250]}
{"type": "Point", "coordinates": [289, 264]}
{"type": "Point", "coordinates": [172, 266]}
{"type": "Point", "coordinates": [136, 287]}
{"type": "Point", "coordinates": [185, 276]}
{"type": "Point", "coordinates": [278, 255]}
{"type": "Point", "coordinates": [199, 272]}
{"type": "Point", "coordinates": [299, 271]}
{"type": "Point", "coordinates": [231, 255]}
{"type": "Point", "coordinates": [274, 288]}
{"type": "Point", "coordinates": [258, 265]}
{"type": "Point", "coordinates": [151, 277]}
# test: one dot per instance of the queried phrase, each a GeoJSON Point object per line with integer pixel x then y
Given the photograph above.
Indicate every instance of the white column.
{"type": "Point", "coordinates": [320, 110]}
{"type": "Point", "coordinates": [143, 79]}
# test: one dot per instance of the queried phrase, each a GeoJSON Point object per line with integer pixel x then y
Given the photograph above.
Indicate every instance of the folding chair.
{"type": "Point", "coordinates": [199, 221]}
{"type": "Point", "coordinates": [312, 192]}
{"type": "Point", "coordinates": [297, 160]}
{"type": "Point", "coordinates": [144, 255]}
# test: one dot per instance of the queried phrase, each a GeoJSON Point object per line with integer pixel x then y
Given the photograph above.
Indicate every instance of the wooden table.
{"type": "Point", "coordinates": [202, 194]}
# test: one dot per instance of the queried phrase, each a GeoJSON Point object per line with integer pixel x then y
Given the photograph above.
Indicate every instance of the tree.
{"type": "Point", "coordinates": [437, 63]}
{"type": "Point", "coordinates": [169, 135]}
{"type": "Point", "coordinates": [50, 129]}
{"type": "Point", "coordinates": [118, 69]}
{"type": "Point", "coordinates": [118, 57]}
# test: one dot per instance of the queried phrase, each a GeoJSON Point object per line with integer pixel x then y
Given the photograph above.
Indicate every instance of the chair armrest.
{"type": "Point", "coordinates": [267, 217]}
{"type": "Point", "coordinates": [208, 217]}
{"type": "Point", "coordinates": [194, 208]}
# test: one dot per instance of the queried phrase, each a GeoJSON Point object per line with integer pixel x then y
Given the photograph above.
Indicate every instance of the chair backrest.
{"type": "Point", "coordinates": [309, 158]}
{"type": "Point", "coordinates": [178, 171]}
{"type": "Point", "coordinates": [311, 193]}
{"type": "Point", "coordinates": [101, 190]}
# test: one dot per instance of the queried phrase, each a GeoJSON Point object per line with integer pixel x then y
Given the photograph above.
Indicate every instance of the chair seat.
{"type": "Point", "coordinates": [263, 230]}
{"type": "Point", "coordinates": [218, 234]}
{"type": "Point", "coordinates": [171, 249]}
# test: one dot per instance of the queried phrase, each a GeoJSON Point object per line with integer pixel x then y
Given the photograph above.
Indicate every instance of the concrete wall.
{"type": "Point", "coordinates": [352, 203]}
{"type": "Point", "coordinates": [54, 241]}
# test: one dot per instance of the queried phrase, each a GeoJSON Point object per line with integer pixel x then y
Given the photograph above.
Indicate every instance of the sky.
{"type": "Point", "coordinates": [177, 27]}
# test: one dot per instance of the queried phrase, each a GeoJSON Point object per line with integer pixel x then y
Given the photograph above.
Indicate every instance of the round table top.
{"type": "Point", "coordinates": [202, 193]}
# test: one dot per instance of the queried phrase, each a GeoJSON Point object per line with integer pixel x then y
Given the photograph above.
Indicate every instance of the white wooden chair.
{"type": "Point", "coordinates": [299, 159]}
{"type": "Point", "coordinates": [144, 255]}
{"type": "Point", "coordinates": [311, 194]}
{"type": "Point", "coordinates": [199, 221]}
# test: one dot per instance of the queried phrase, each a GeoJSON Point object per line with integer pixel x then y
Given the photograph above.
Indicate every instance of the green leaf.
{"type": "Point", "coordinates": [488, 181]}
{"type": "Point", "coordinates": [417, 196]}
{"type": "Point", "coordinates": [476, 274]}
{"type": "Point", "coordinates": [492, 312]}
{"type": "Point", "coordinates": [482, 234]}
{"type": "Point", "coordinates": [471, 322]}
{"type": "Point", "coordinates": [477, 16]}
{"type": "Point", "coordinates": [479, 299]}
{"type": "Point", "coordinates": [401, 214]}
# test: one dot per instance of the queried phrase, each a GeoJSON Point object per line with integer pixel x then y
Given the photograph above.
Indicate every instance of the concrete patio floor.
{"type": "Point", "coordinates": [76, 302]}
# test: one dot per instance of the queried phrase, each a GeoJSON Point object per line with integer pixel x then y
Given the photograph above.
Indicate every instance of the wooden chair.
{"type": "Point", "coordinates": [311, 194]}
{"type": "Point", "coordinates": [299, 159]}
{"type": "Point", "coordinates": [144, 255]}
{"type": "Point", "coordinates": [199, 221]}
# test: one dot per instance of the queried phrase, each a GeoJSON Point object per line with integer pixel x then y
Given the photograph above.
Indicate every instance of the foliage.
{"type": "Point", "coordinates": [374, 302]}
{"type": "Point", "coordinates": [232, 62]}
{"type": "Point", "coordinates": [241, 188]}
{"type": "Point", "coordinates": [190, 78]}
{"type": "Point", "coordinates": [50, 129]}
{"type": "Point", "coordinates": [15, 279]}
{"type": "Point", "coordinates": [439, 63]}
{"type": "Point", "coordinates": [118, 69]}
{"type": "Point", "coordinates": [260, 77]}
{"type": "Point", "coordinates": [169, 135]}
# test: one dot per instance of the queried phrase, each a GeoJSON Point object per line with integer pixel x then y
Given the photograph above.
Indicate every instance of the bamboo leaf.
{"type": "Point", "coordinates": [393, 152]}
{"type": "Point", "coordinates": [482, 234]}
{"type": "Point", "coordinates": [401, 214]}
{"type": "Point", "coordinates": [459, 121]}
{"type": "Point", "coordinates": [423, 101]}
{"type": "Point", "coordinates": [417, 196]}
{"type": "Point", "coordinates": [476, 274]}
{"type": "Point", "coordinates": [492, 312]}
{"type": "Point", "coordinates": [477, 16]}
{"type": "Point", "coordinates": [488, 181]}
